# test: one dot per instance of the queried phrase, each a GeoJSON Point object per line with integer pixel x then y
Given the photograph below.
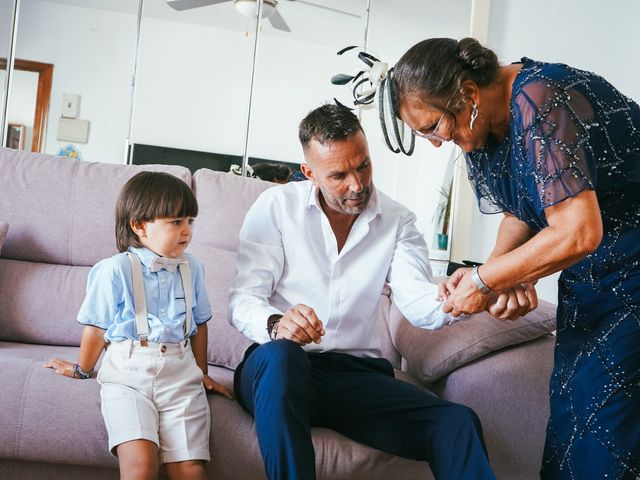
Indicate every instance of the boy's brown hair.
{"type": "Point", "coordinates": [146, 197]}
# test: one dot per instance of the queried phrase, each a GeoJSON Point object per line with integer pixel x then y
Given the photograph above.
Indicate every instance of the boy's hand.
{"type": "Point", "coordinates": [61, 367]}
{"type": "Point", "coordinates": [210, 385]}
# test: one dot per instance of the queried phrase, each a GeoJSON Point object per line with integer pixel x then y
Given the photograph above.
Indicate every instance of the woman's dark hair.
{"type": "Point", "coordinates": [146, 197]}
{"type": "Point", "coordinates": [437, 67]}
{"type": "Point", "coordinates": [328, 123]}
{"type": "Point", "coordinates": [271, 172]}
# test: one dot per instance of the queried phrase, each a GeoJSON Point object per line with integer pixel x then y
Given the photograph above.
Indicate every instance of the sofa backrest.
{"type": "Point", "coordinates": [223, 200]}
{"type": "Point", "coordinates": [61, 222]}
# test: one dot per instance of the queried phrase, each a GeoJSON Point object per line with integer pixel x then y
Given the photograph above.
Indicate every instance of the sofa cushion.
{"type": "Point", "coordinates": [39, 302]}
{"type": "Point", "coordinates": [226, 344]}
{"type": "Point", "coordinates": [46, 417]}
{"type": "Point", "coordinates": [61, 210]}
{"type": "Point", "coordinates": [4, 228]}
{"type": "Point", "coordinates": [53, 419]}
{"type": "Point", "coordinates": [431, 354]}
{"type": "Point", "coordinates": [223, 200]}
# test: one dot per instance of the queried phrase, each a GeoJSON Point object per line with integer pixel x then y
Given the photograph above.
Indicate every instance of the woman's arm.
{"type": "Point", "coordinates": [511, 234]}
{"type": "Point", "coordinates": [574, 231]}
{"type": "Point", "coordinates": [91, 346]}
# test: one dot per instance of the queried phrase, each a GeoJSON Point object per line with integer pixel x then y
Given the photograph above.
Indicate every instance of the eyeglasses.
{"type": "Point", "coordinates": [436, 132]}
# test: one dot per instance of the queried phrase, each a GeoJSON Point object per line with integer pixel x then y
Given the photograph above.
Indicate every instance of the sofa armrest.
{"type": "Point", "coordinates": [431, 354]}
{"type": "Point", "coordinates": [509, 390]}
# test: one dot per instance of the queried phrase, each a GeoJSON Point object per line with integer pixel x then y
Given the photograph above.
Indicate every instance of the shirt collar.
{"type": "Point", "coordinates": [145, 255]}
{"type": "Point", "coordinates": [374, 208]}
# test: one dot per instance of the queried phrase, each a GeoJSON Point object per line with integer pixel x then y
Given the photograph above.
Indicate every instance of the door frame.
{"type": "Point", "coordinates": [43, 96]}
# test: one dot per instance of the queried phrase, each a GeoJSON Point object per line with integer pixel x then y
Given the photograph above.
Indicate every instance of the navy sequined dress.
{"type": "Point", "coordinates": [570, 130]}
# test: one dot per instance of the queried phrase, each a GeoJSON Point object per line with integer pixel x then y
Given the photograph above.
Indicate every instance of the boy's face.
{"type": "Point", "coordinates": [167, 237]}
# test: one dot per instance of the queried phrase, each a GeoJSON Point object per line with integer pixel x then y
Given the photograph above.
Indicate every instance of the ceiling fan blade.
{"type": "Point", "coordinates": [189, 4]}
{"type": "Point", "coordinates": [278, 22]}
{"type": "Point", "coordinates": [327, 8]}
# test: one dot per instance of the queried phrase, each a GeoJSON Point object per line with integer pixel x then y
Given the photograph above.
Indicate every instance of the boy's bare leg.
{"type": "Point", "coordinates": [138, 460]}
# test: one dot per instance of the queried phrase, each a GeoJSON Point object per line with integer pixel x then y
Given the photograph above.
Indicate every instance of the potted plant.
{"type": "Point", "coordinates": [442, 216]}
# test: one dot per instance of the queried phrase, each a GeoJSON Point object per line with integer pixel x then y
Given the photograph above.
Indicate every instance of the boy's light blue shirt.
{"type": "Point", "coordinates": [109, 301]}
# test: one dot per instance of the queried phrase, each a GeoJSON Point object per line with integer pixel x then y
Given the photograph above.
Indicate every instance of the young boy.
{"type": "Point", "coordinates": [149, 307]}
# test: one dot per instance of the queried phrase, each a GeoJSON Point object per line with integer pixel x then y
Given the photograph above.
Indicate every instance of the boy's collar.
{"type": "Point", "coordinates": [145, 255]}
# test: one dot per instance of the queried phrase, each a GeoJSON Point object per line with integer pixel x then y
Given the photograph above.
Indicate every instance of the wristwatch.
{"type": "Point", "coordinates": [272, 326]}
{"type": "Point", "coordinates": [475, 276]}
{"type": "Point", "coordinates": [80, 373]}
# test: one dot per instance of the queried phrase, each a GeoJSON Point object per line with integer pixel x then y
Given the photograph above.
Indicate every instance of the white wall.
{"type": "Point", "coordinates": [192, 87]}
{"type": "Point", "coordinates": [394, 28]}
{"type": "Point", "coordinates": [583, 33]}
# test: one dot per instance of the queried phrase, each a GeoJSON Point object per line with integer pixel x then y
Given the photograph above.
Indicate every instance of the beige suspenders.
{"type": "Point", "coordinates": [140, 302]}
{"type": "Point", "coordinates": [187, 288]}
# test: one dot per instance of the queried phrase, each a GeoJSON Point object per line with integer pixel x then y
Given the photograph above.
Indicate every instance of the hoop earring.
{"type": "Point", "coordinates": [474, 115]}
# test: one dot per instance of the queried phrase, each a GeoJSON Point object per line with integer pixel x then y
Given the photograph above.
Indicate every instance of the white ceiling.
{"type": "Point", "coordinates": [307, 23]}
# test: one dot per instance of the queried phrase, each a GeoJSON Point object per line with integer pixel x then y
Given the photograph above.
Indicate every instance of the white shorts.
{"type": "Point", "coordinates": [155, 393]}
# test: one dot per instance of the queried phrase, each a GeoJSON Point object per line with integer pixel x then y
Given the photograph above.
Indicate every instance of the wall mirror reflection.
{"type": "Point", "coordinates": [191, 103]}
{"type": "Point", "coordinates": [90, 63]}
{"type": "Point", "coordinates": [6, 31]}
{"type": "Point", "coordinates": [293, 72]}
{"type": "Point", "coordinates": [192, 85]}
{"type": "Point", "coordinates": [29, 103]}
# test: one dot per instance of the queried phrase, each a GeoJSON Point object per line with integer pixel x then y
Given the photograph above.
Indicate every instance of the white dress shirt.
{"type": "Point", "coordinates": [288, 254]}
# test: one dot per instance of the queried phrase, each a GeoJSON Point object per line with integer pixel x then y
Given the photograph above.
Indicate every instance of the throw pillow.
{"type": "Point", "coordinates": [431, 354]}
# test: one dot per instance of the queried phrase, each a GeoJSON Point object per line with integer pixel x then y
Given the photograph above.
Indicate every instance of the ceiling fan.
{"type": "Point", "coordinates": [248, 8]}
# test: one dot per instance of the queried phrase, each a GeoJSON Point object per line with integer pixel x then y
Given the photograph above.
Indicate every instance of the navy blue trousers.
{"type": "Point", "coordinates": [288, 391]}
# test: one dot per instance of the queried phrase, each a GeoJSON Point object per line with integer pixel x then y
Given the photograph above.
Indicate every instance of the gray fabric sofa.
{"type": "Point", "coordinates": [60, 222]}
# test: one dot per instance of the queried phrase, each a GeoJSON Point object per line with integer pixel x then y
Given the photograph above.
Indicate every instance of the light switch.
{"type": "Point", "coordinates": [70, 105]}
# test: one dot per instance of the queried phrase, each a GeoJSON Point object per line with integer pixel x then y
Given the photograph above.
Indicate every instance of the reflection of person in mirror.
{"type": "Point", "coordinates": [312, 261]}
{"type": "Point", "coordinates": [272, 172]}
{"type": "Point", "coordinates": [557, 150]}
{"type": "Point", "coordinates": [154, 373]}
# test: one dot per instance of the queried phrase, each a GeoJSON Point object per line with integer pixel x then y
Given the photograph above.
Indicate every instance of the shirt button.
{"type": "Point", "coordinates": [163, 348]}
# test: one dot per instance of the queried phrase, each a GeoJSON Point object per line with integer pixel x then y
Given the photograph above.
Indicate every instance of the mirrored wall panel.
{"type": "Point", "coordinates": [6, 29]}
{"type": "Point", "coordinates": [294, 68]}
{"type": "Point", "coordinates": [72, 87]}
{"type": "Point", "coordinates": [192, 84]}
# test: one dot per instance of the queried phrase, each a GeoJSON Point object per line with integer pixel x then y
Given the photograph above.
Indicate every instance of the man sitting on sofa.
{"type": "Point", "coordinates": [312, 260]}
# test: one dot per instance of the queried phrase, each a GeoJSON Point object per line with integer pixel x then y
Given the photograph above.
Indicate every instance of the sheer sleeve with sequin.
{"type": "Point", "coordinates": [557, 122]}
